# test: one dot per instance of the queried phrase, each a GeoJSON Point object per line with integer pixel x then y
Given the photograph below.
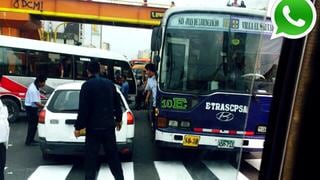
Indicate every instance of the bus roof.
{"type": "Point", "coordinates": [231, 10]}
{"type": "Point", "coordinates": [23, 43]}
{"type": "Point", "coordinates": [140, 60]}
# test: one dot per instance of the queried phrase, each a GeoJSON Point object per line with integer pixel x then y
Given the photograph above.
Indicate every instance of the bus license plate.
{"type": "Point", "coordinates": [189, 140]}
{"type": "Point", "coordinates": [222, 143]}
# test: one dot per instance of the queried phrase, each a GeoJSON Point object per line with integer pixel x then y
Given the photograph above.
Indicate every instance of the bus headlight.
{"type": "Point", "coordinates": [173, 123]}
{"type": "Point", "coordinates": [185, 124]}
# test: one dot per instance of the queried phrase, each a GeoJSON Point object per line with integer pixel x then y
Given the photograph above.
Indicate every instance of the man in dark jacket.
{"type": "Point", "coordinates": [99, 113]}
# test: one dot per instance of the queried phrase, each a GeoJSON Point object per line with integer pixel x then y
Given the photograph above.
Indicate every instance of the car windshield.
{"type": "Point", "coordinates": [68, 101]}
{"type": "Point", "coordinates": [65, 101]}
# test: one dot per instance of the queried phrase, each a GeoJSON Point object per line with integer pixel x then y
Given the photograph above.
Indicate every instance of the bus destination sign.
{"type": "Point", "coordinates": [221, 22]}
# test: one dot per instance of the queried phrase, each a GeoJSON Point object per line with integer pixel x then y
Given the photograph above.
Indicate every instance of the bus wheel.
{"type": "Point", "coordinates": [13, 109]}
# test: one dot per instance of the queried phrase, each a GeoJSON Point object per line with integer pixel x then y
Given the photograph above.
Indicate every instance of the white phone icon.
{"type": "Point", "coordinates": [286, 13]}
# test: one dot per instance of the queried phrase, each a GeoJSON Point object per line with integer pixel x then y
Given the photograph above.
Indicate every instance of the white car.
{"type": "Point", "coordinates": [57, 119]}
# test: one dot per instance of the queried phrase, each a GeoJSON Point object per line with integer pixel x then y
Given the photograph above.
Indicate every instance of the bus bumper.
{"type": "Point", "coordinates": [175, 140]}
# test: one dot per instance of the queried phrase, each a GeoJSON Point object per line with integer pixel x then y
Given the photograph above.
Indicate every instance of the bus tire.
{"type": "Point", "coordinates": [13, 109]}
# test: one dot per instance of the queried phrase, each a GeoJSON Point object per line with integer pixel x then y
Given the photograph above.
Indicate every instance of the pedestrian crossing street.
{"type": "Point", "coordinates": [166, 170]}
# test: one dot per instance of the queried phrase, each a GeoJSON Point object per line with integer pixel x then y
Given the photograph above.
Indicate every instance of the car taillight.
{"type": "Point", "coordinates": [42, 116]}
{"type": "Point", "coordinates": [130, 118]}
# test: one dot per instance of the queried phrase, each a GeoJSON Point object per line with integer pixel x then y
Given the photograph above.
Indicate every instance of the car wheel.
{"type": "Point", "coordinates": [13, 109]}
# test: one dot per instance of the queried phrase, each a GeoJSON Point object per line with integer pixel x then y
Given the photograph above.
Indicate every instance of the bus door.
{"type": "Point", "coordinates": [177, 53]}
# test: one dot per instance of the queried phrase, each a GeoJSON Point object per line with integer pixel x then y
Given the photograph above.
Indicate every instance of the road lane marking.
{"type": "Point", "coordinates": [56, 172]}
{"type": "Point", "coordinates": [198, 170]}
{"type": "Point", "coordinates": [254, 162]}
{"type": "Point", "coordinates": [224, 171]}
{"type": "Point", "coordinates": [166, 170]}
{"type": "Point", "coordinates": [172, 170]}
{"type": "Point", "coordinates": [105, 172]}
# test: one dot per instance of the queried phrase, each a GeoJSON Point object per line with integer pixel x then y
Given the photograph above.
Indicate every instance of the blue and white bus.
{"type": "Point", "coordinates": [216, 72]}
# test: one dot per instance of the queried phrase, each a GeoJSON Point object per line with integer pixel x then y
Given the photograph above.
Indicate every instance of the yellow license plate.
{"type": "Point", "coordinates": [190, 140]}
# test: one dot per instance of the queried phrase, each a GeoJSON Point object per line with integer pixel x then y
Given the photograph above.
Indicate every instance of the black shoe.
{"type": "Point", "coordinates": [32, 143]}
{"type": "Point", "coordinates": [35, 141]}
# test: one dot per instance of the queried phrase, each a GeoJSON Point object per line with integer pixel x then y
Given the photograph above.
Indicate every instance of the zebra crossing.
{"type": "Point", "coordinates": [165, 170]}
{"type": "Point", "coordinates": [254, 163]}
{"type": "Point", "coordinates": [51, 171]}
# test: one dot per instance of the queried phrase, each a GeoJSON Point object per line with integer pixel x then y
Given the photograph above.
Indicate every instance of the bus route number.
{"type": "Point", "coordinates": [174, 103]}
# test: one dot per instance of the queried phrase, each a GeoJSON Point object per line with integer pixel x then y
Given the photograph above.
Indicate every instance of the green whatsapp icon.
{"type": "Point", "coordinates": [292, 18]}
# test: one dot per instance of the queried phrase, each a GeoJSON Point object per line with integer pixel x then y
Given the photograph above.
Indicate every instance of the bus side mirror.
{"type": "Point", "coordinates": [156, 61]}
{"type": "Point", "coordinates": [156, 38]}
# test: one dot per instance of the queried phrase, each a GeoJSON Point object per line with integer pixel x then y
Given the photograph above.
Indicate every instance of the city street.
{"type": "Point", "coordinates": [148, 162]}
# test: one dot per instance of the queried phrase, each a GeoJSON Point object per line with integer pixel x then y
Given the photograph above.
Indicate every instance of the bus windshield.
{"type": "Point", "coordinates": [204, 53]}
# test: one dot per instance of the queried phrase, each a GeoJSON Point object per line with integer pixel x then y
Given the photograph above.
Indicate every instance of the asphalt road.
{"type": "Point", "coordinates": [148, 161]}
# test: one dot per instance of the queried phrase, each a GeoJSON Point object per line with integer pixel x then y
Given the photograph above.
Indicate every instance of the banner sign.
{"type": "Point", "coordinates": [220, 22]}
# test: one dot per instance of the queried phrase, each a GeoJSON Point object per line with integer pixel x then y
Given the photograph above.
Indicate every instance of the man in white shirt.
{"type": "Point", "coordinates": [32, 104]}
{"type": "Point", "coordinates": [4, 137]}
{"type": "Point", "coordinates": [151, 90]}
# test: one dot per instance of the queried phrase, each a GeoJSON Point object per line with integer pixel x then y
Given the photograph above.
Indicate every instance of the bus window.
{"type": "Point", "coordinates": [230, 61]}
{"type": "Point", "coordinates": [13, 61]}
{"type": "Point", "coordinates": [124, 69]}
{"type": "Point", "coordinates": [65, 67]}
{"type": "Point", "coordinates": [104, 70]}
{"type": "Point", "coordinates": [50, 64]}
{"type": "Point", "coordinates": [109, 68]}
{"type": "Point", "coordinates": [81, 64]}
{"type": "Point", "coordinates": [177, 50]}
{"type": "Point", "coordinates": [263, 64]}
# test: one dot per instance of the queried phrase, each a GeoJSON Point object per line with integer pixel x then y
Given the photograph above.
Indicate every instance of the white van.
{"type": "Point", "coordinates": [57, 119]}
